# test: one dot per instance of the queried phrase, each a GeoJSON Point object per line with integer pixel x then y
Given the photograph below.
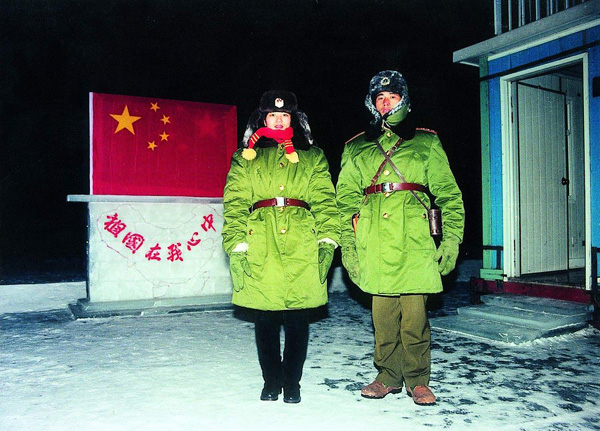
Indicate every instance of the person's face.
{"type": "Point", "coordinates": [385, 101]}
{"type": "Point", "coordinates": [278, 120]}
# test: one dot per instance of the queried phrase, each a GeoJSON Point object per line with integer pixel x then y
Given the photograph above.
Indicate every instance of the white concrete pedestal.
{"type": "Point", "coordinates": [149, 254]}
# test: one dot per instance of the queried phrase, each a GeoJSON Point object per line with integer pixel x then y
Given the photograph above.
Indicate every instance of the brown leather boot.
{"type": "Point", "coordinates": [421, 395]}
{"type": "Point", "coordinates": [377, 390]}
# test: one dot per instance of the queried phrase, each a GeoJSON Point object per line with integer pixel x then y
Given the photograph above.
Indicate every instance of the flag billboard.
{"type": "Point", "coordinates": [157, 147]}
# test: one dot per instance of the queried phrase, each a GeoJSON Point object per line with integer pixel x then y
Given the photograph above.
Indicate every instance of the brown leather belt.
{"type": "Point", "coordinates": [279, 202]}
{"type": "Point", "coordinates": [393, 187]}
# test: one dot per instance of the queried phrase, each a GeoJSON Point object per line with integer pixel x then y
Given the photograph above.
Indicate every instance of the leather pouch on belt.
{"type": "Point", "coordinates": [355, 218]}
{"type": "Point", "coordinates": [435, 221]}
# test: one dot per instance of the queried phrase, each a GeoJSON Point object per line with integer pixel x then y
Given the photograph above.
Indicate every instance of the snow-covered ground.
{"type": "Point", "coordinates": [199, 371]}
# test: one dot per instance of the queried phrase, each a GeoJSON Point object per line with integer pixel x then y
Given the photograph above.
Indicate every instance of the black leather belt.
{"type": "Point", "coordinates": [393, 187]}
{"type": "Point", "coordinates": [279, 202]}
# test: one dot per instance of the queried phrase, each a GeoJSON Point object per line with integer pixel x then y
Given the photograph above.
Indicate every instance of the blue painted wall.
{"type": "Point", "coordinates": [564, 47]}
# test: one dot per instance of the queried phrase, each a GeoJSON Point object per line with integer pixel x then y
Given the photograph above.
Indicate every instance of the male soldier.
{"type": "Point", "coordinates": [387, 246]}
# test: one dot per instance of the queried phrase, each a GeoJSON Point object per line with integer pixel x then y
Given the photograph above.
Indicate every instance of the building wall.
{"type": "Point", "coordinates": [492, 71]}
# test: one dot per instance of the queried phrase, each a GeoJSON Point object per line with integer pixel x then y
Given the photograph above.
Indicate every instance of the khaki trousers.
{"type": "Point", "coordinates": [402, 340]}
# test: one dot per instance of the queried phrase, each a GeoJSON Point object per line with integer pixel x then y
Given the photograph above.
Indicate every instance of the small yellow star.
{"type": "Point", "coordinates": [125, 120]}
{"type": "Point", "coordinates": [152, 145]}
{"type": "Point", "coordinates": [154, 106]}
{"type": "Point", "coordinates": [165, 120]}
{"type": "Point", "coordinates": [164, 136]}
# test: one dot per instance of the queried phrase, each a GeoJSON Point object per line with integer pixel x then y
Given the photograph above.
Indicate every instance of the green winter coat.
{"type": "Point", "coordinates": [395, 249]}
{"type": "Point", "coordinates": [282, 242]}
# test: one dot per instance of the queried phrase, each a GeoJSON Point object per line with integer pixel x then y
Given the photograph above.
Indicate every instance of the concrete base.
{"type": "Point", "coordinates": [516, 319]}
{"type": "Point", "coordinates": [83, 308]}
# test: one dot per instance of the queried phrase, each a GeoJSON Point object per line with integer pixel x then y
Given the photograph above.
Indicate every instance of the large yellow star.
{"type": "Point", "coordinates": [125, 120]}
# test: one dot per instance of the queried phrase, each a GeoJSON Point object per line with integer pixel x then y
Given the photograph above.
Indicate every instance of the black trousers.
{"type": "Point", "coordinates": [277, 372]}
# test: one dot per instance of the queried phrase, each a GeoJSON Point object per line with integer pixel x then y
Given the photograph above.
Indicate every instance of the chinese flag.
{"type": "Point", "coordinates": [159, 147]}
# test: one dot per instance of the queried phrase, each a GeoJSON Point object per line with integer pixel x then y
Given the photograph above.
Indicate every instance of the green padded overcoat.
{"type": "Point", "coordinates": [395, 249]}
{"type": "Point", "coordinates": [282, 242]}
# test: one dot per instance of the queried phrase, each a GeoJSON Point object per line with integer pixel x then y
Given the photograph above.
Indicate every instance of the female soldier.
{"type": "Point", "coordinates": [281, 228]}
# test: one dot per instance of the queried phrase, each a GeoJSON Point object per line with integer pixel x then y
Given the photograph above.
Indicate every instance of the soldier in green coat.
{"type": "Point", "coordinates": [280, 231]}
{"type": "Point", "coordinates": [386, 243]}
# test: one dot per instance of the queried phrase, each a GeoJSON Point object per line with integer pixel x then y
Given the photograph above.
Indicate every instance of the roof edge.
{"type": "Point", "coordinates": [531, 33]}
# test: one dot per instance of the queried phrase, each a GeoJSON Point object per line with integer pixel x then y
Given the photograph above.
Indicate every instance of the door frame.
{"type": "Point", "coordinates": [510, 164]}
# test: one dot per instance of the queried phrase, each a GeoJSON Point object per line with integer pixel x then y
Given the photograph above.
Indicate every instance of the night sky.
{"type": "Point", "coordinates": [54, 52]}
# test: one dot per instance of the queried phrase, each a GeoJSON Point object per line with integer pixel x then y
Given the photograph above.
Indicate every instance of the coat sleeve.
{"type": "Point", "coordinates": [322, 201]}
{"type": "Point", "coordinates": [448, 196]}
{"type": "Point", "coordinates": [237, 197]}
{"type": "Point", "coordinates": [349, 196]}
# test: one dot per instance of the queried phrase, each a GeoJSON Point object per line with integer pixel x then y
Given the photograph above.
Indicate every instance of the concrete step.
{"type": "Point", "coordinates": [546, 305]}
{"type": "Point", "coordinates": [516, 319]}
{"type": "Point", "coordinates": [498, 331]}
{"type": "Point", "coordinates": [523, 317]}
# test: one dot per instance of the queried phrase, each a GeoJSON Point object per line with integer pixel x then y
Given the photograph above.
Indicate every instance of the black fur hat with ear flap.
{"type": "Point", "coordinates": [394, 82]}
{"type": "Point", "coordinates": [280, 101]}
{"type": "Point", "coordinates": [387, 80]}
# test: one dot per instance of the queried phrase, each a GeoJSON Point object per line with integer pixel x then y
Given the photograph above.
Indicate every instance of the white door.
{"type": "Point", "coordinates": [542, 179]}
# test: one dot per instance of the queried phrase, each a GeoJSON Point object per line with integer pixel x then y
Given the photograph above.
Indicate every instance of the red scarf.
{"type": "Point", "coordinates": [281, 136]}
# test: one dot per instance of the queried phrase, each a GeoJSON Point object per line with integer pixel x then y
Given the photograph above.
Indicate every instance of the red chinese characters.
{"type": "Point", "coordinates": [153, 253]}
{"type": "Point", "coordinates": [134, 241]}
{"type": "Point", "coordinates": [114, 225]}
{"type": "Point", "coordinates": [174, 252]}
{"type": "Point", "coordinates": [193, 242]}
{"type": "Point", "coordinates": [208, 223]}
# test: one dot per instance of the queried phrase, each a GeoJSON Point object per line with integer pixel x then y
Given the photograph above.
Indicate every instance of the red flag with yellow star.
{"type": "Point", "coordinates": [159, 147]}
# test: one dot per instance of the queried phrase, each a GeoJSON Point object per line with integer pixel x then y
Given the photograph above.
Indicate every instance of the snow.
{"type": "Point", "coordinates": [200, 371]}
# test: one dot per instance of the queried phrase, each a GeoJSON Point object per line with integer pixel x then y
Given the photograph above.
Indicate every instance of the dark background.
{"type": "Point", "coordinates": [54, 52]}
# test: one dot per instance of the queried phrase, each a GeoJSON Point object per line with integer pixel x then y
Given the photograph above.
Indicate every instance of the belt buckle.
{"type": "Point", "coordinates": [386, 187]}
{"type": "Point", "coordinates": [280, 201]}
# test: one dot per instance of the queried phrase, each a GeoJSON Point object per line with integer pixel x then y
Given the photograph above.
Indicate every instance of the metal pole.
{"type": "Point", "coordinates": [498, 17]}
{"type": "Point", "coordinates": [521, 14]}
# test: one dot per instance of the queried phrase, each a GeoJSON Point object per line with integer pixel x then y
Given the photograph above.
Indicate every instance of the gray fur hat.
{"type": "Point", "coordinates": [387, 80]}
{"type": "Point", "coordinates": [279, 101]}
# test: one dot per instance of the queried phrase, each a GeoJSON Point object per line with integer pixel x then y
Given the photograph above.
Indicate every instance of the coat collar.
{"type": "Point", "coordinates": [404, 129]}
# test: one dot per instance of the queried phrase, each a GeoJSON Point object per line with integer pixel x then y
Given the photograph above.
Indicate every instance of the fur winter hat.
{"type": "Point", "coordinates": [279, 101]}
{"type": "Point", "coordinates": [387, 80]}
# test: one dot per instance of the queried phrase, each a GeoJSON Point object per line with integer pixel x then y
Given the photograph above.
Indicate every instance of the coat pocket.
{"type": "Point", "coordinates": [302, 239]}
{"type": "Point", "coordinates": [256, 237]}
{"type": "Point", "coordinates": [363, 227]}
{"type": "Point", "coordinates": [416, 232]}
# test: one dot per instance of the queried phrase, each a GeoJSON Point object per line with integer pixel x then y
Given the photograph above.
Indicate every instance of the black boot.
{"type": "Point", "coordinates": [294, 354]}
{"type": "Point", "coordinates": [291, 394]}
{"type": "Point", "coordinates": [270, 393]}
{"type": "Point", "coordinates": [267, 329]}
